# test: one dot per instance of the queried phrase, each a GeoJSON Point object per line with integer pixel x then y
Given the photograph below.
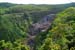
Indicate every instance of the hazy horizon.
{"type": "Point", "coordinates": [38, 1]}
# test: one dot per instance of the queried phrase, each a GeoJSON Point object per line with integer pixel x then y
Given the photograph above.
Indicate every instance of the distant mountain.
{"type": "Point", "coordinates": [6, 5]}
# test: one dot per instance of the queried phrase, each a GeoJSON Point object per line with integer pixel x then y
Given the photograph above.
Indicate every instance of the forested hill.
{"type": "Point", "coordinates": [6, 5]}
{"type": "Point", "coordinates": [33, 10]}
{"type": "Point", "coordinates": [37, 27]}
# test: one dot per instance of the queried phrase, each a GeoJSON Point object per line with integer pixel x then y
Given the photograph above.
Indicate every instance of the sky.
{"type": "Point", "coordinates": [38, 1]}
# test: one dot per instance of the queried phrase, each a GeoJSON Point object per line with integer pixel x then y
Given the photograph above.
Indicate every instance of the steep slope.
{"type": "Point", "coordinates": [22, 25]}
{"type": "Point", "coordinates": [41, 26]}
{"type": "Point", "coordinates": [62, 34]}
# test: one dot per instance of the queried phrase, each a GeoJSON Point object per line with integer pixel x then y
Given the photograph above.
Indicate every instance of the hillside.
{"type": "Point", "coordinates": [37, 27]}
{"type": "Point", "coordinates": [62, 34]}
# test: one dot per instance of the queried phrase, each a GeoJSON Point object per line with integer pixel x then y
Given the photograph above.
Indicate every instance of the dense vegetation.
{"type": "Point", "coordinates": [16, 19]}
{"type": "Point", "coordinates": [62, 34]}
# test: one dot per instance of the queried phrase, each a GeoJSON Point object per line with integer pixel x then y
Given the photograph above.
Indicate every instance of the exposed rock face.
{"type": "Point", "coordinates": [40, 26]}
